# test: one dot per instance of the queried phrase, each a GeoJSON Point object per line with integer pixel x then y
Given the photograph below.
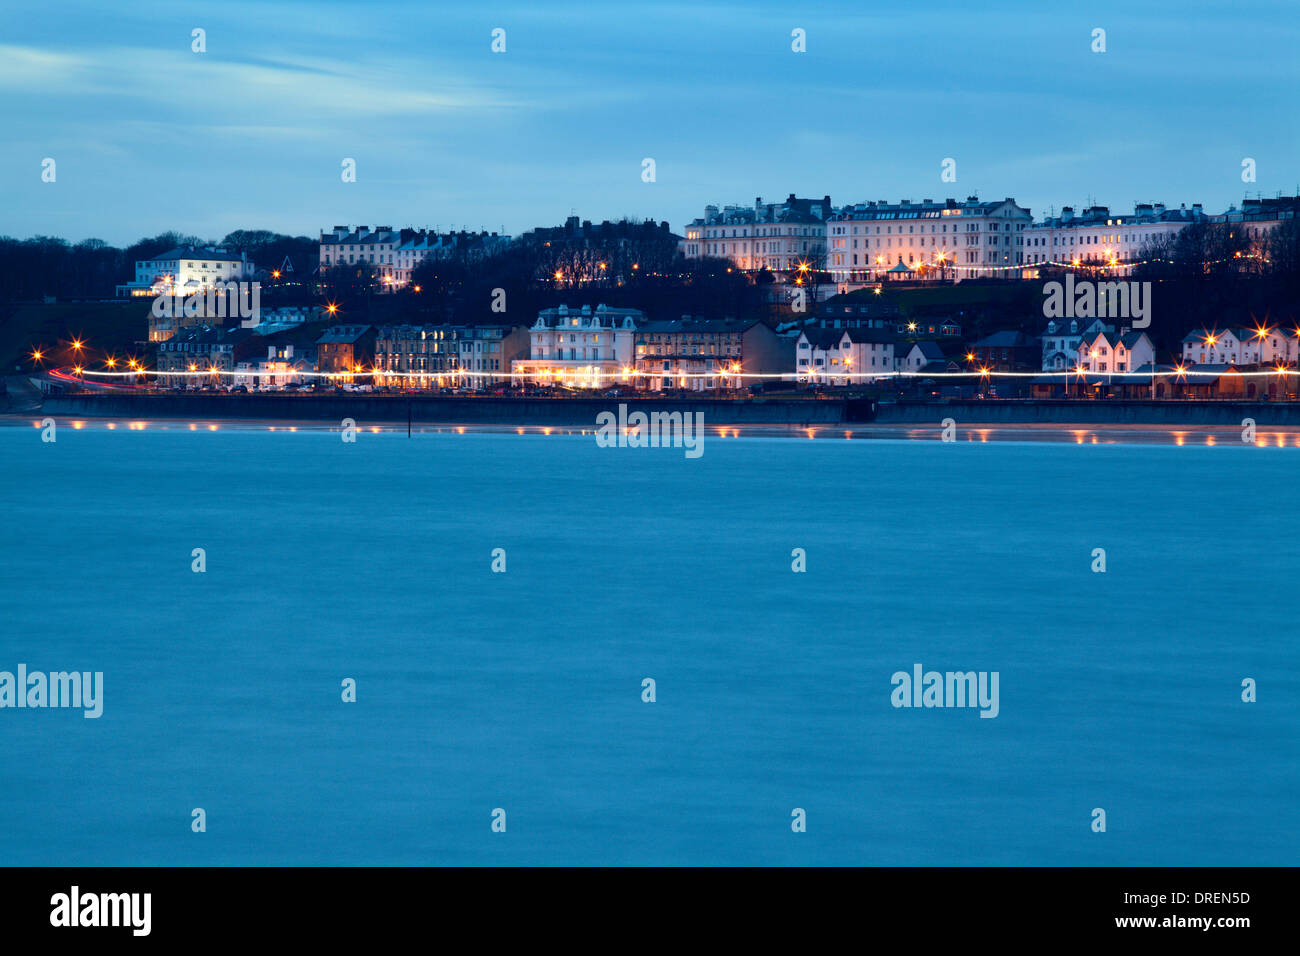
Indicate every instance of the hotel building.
{"type": "Point", "coordinates": [776, 236]}
{"type": "Point", "coordinates": [925, 240]}
{"type": "Point", "coordinates": [438, 356]}
{"type": "Point", "coordinates": [1098, 238]}
{"type": "Point", "coordinates": [581, 348]}
{"type": "Point", "coordinates": [187, 270]}
{"type": "Point", "coordinates": [706, 354]}
{"type": "Point", "coordinates": [1257, 219]}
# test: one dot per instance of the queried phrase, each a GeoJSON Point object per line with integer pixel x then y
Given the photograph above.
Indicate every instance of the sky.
{"type": "Point", "coordinates": [148, 135]}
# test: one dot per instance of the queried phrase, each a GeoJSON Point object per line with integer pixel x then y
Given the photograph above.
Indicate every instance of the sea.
{"type": "Point", "coordinates": [461, 647]}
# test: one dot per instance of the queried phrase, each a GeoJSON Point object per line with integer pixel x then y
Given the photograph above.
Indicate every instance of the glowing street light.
{"type": "Point", "coordinates": [78, 345]}
{"type": "Point", "coordinates": [37, 355]}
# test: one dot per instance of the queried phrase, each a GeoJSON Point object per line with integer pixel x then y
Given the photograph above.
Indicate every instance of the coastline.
{"type": "Point", "coordinates": [774, 412]}
{"type": "Point", "coordinates": [1095, 433]}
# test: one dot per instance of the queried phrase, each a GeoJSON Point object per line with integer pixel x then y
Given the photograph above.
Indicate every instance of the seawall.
{"type": "Point", "coordinates": [1097, 412]}
{"type": "Point", "coordinates": [505, 411]}
{"type": "Point", "coordinates": [439, 409]}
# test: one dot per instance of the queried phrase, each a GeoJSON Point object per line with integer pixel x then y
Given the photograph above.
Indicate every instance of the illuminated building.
{"type": "Point", "coordinates": [1102, 240]}
{"type": "Point", "coordinates": [776, 236]}
{"type": "Point", "coordinates": [580, 348]}
{"type": "Point", "coordinates": [187, 270]}
{"type": "Point", "coordinates": [949, 240]}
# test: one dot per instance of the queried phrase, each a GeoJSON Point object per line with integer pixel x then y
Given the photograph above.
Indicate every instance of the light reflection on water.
{"type": "Point", "coordinates": [1109, 434]}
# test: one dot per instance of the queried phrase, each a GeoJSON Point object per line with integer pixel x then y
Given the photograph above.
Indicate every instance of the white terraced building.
{"type": "Point", "coordinates": [376, 247]}
{"type": "Point", "coordinates": [940, 240]}
{"type": "Point", "coordinates": [1099, 238]}
{"type": "Point", "coordinates": [1257, 219]}
{"type": "Point", "coordinates": [394, 253]}
{"type": "Point", "coordinates": [776, 236]}
{"type": "Point", "coordinates": [417, 246]}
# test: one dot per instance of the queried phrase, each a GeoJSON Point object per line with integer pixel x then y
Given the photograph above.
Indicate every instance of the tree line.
{"type": "Point", "coordinates": [31, 269]}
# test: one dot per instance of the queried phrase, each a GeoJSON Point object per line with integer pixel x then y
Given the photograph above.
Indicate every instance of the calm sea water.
{"type": "Point", "coordinates": [522, 690]}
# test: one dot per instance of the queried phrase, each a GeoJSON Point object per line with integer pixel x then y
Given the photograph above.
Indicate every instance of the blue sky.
{"type": "Point", "coordinates": [149, 136]}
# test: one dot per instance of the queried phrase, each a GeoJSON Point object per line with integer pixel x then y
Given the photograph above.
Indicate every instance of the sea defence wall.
{"type": "Point", "coordinates": [439, 409]}
{"type": "Point", "coordinates": [1098, 412]}
{"type": "Point", "coordinates": [502, 410]}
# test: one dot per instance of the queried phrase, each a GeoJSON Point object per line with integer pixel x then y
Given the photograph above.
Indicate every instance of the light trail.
{"type": "Point", "coordinates": [614, 378]}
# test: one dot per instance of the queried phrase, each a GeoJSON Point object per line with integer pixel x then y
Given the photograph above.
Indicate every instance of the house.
{"type": "Point", "coordinates": [1114, 352]}
{"type": "Point", "coordinates": [345, 349]}
{"type": "Point", "coordinates": [1238, 346]}
{"type": "Point", "coordinates": [281, 366]}
{"type": "Point", "coordinates": [817, 353]}
{"type": "Point", "coordinates": [1061, 342]}
{"type": "Point", "coordinates": [921, 355]}
{"type": "Point", "coordinates": [864, 352]}
{"type": "Point", "coordinates": [1007, 352]}
{"type": "Point", "coordinates": [945, 327]}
